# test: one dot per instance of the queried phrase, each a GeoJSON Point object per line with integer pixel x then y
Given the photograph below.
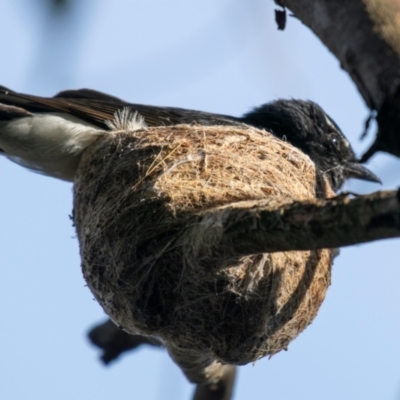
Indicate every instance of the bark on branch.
{"type": "Point", "coordinates": [315, 224]}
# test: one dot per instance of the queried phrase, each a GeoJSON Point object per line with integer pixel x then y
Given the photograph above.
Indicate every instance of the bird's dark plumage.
{"type": "Point", "coordinates": [302, 123]}
{"type": "Point", "coordinates": [305, 125]}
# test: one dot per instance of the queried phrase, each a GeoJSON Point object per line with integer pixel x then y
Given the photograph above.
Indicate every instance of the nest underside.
{"type": "Point", "coordinates": [139, 200]}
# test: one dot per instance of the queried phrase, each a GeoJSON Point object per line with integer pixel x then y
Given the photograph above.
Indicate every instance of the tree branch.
{"type": "Point", "coordinates": [364, 35]}
{"type": "Point", "coordinates": [307, 225]}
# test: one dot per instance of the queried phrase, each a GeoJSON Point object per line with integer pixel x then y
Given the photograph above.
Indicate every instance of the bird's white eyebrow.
{"type": "Point", "coordinates": [330, 123]}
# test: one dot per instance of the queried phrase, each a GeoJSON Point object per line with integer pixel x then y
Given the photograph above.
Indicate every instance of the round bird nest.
{"type": "Point", "coordinates": [139, 199]}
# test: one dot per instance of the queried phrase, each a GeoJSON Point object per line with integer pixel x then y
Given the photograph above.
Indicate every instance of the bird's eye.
{"type": "Point", "coordinates": [335, 141]}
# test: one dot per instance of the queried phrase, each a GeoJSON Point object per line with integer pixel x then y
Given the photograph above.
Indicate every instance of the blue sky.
{"type": "Point", "coordinates": [219, 56]}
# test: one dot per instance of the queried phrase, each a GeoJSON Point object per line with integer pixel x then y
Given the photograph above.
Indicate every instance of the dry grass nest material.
{"type": "Point", "coordinates": [139, 198]}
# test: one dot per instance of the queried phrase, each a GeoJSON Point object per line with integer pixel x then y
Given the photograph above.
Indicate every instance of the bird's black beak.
{"type": "Point", "coordinates": [355, 170]}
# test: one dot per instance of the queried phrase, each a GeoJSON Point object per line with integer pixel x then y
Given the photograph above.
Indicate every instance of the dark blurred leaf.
{"type": "Point", "coordinates": [280, 18]}
{"type": "Point", "coordinates": [114, 341]}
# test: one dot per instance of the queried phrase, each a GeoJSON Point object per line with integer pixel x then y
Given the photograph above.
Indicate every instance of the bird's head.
{"type": "Point", "coordinates": [305, 125]}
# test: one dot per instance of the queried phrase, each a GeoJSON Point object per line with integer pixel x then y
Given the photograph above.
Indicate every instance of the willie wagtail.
{"type": "Point", "coordinates": [49, 134]}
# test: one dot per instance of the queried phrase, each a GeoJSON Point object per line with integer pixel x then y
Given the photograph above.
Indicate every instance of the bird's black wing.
{"type": "Point", "coordinates": [153, 115]}
{"type": "Point", "coordinates": [93, 111]}
{"type": "Point", "coordinates": [96, 108]}
{"type": "Point", "coordinates": [88, 94]}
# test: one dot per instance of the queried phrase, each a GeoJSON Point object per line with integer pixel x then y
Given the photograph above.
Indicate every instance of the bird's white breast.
{"type": "Point", "coordinates": [51, 143]}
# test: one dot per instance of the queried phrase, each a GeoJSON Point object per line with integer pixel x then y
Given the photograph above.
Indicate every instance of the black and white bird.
{"type": "Point", "coordinates": [49, 135]}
